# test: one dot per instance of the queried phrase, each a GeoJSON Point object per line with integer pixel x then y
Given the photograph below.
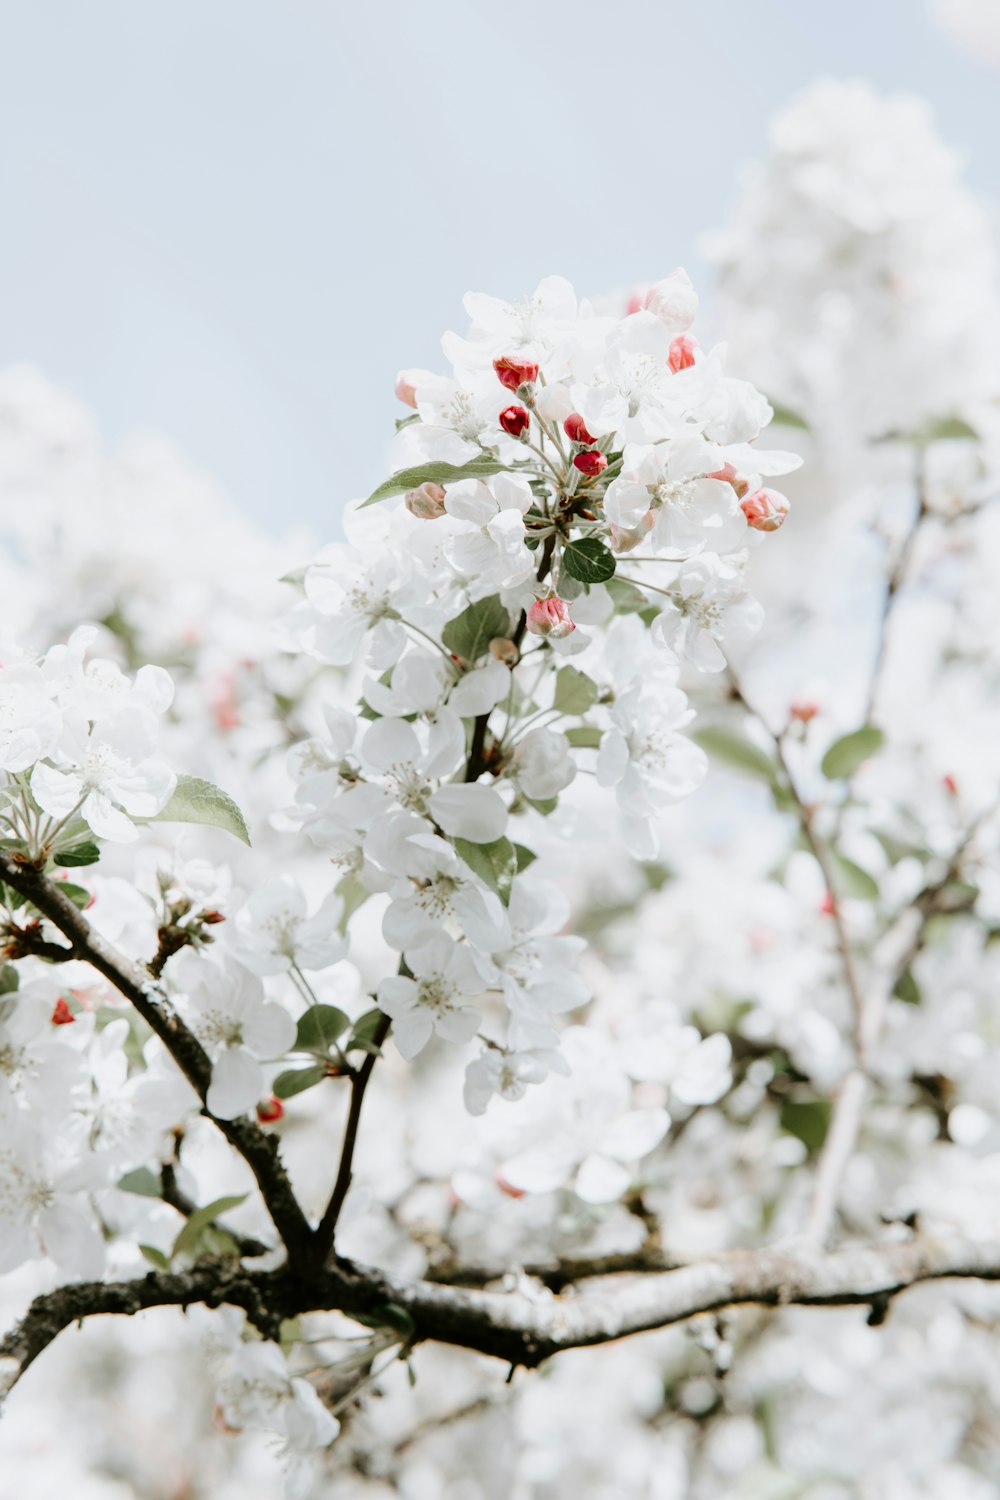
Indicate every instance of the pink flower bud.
{"type": "Point", "coordinates": [426, 502]}
{"type": "Point", "coordinates": [406, 390]}
{"type": "Point", "coordinates": [591, 463]}
{"type": "Point", "coordinates": [270, 1110]}
{"type": "Point", "coordinates": [732, 476]}
{"type": "Point", "coordinates": [950, 784]}
{"type": "Point", "coordinates": [803, 713]}
{"type": "Point", "coordinates": [575, 429]}
{"type": "Point", "coordinates": [550, 617]}
{"type": "Point", "coordinates": [514, 420]}
{"type": "Point", "coordinates": [61, 1014]}
{"type": "Point", "coordinates": [682, 352]}
{"type": "Point", "coordinates": [513, 373]}
{"type": "Point", "coordinates": [765, 510]}
{"type": "Point", "coordinates": [827, 906]}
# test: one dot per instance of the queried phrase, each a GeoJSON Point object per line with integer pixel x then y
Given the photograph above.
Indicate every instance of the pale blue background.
{"type": "Point", "coordinates": [233, 220]}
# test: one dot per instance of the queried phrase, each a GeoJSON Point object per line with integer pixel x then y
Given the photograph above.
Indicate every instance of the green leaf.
{"type": "Point", "coordinates": [584, 736]}
{"type": "Point", "coordinates": [296, 1080]}
{"type": "Point", "coordinates": [353, 894]}
{"type": "Point", "coordinates": [83, 854]}
{"type": "Point", "coordinates": [808, 1119]}
{"type": "Point", "coordinates": [319, 1028]}
{"type": "Point", "coordinates": [434, 473]}
{"type": "Point", "coordinates": [628, 600]}
{"type": "Point", "coordinates": [907, 988]}
{"type": "Point", "coordinates": [525, 857]}
{"type": "Point", "coordinates": [198, 801]}
{"type": "Point", "coordinates": [141, 1181]}
{"type": "Point", "coordinates": [785, 417]}
{"type": "Point", "coordinates": [939, 429]}
{"type": "Point", "coordinates": [732, 748]}
{"type": "Point", "coordinates": [495, 864]}
{"type": "Point", "coordinates": [855, 881]}
{"type": "Point", "coordinates": [846, 754]}
{"type": "Point", "coordinates": [588, 560]}
{"type": "Point", "coordinates": [469, 634]}
{"type": "Point", "coordinates": [575, 692]}
{"type": "Point", "coordinates": [202, 1219]}
{"type": "Point", "coordinates": [9, 979]}
{"type": "Point", "coordinates": [365, 1030]}
{"type": "Point", "coordinates": [156, 1257]}
{"type": "Point", "coordinates": [544, 805]}
{"type": "Point", "coordinates": [78, 894]}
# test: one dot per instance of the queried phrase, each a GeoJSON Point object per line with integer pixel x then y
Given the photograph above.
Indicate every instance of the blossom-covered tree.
{"type": "Point", "coordinates": [609, 958]}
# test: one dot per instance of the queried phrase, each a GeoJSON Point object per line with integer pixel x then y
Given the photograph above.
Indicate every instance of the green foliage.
{"type": "Point", "coordinates": [83, 854]}
{"type": "Point", "coordinates": [434, 473]}
{"type": "Point", "coordinates": [198, 801]}
{"type": "Point", "coordinates": [575, 691]}
{"type": "Point", "coordinates": [846, 754]}
{"type": "Point", "coordinates": [731, 748]}
{"type": "Point", "coordinates": [296, 1080]}
{"type": "Point", "coordinates": [199, 1237]}
{"type": "Point", "coordinates": [469, 634]}
{"type": "Point", "coordinates": [320, 1028]}
{"type": "Point", "coordinates": [588, 560]}
{"type": "Point", "coordinates": [808, 1120]}
{"type": "Point", "coordinates": [495, 864]}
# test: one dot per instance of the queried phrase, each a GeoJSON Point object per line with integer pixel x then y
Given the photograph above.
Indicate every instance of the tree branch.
{"type": "Point", "coordinates": [359, 1083]}
{"type": "Point", "coordinates": [259, 1150]}
{"type": "Point", "coordinates": [523, 1327]}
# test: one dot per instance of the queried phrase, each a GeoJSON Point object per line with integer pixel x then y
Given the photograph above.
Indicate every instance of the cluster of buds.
{"type": "Point", "coordinates": [590, 460]}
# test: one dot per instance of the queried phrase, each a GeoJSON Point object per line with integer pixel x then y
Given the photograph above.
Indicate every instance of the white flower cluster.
{"type": "Point", "coordinates": [505, 645]}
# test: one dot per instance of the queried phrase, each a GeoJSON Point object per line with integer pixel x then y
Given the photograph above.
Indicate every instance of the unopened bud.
{"type": "Point", "coordinates": [732, 476]}
{"type": "Point", "coordinates": [827, 906]}
{"type": "Point", "coordinates": [61, 1014]}
{"type": "Point", "coordinates": [212, 917]}
{"type": "Point", "coordinates": [591, 463]}
{"type": "Point", "coordinates": [575, 429]}
{"type": "Point", "coordinates": [550, 617]}
{"type": "Point", "coordinates": [406, 388]}
{"type": "Point", "coordinates": [504, 651]}
{"type": "Point", "coordinates": [426, 502]}
{"type": "Point", "coordinates": [950, 784]}
{"type": "Point", "coordinates": [682, 352]}
{"type": "Point", "coordinates": [514, 420]}
{"type": "Point", "coordinates": [765, 510]}
{"type": "Point", "coordinates": [804, 712]}
{"type": "Point", "coordinates": [513, 373]}
{"type": "Point", "coordinates": [270, 1110]}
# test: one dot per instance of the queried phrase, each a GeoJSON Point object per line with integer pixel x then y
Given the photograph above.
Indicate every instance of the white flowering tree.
{"type": "Point", "coordinates": [490, 1046]}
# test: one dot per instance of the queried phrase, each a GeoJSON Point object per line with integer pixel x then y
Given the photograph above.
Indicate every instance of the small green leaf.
{"type": "Point", "coordinates": [525, 857]}
{"type": "Point", "coordinates": [78, 894]}
{"type": "Point", "coordinates": [628, 600]}
{"type": "Point", "coordinates": [319, 1028]}
{"type": "Point", "coordinates": [575, 692]}
{"type": "Point", "coordinates": [353, 894]}
{"type": "Point", "coordinates": [907, 988]}
{"type": "Point", "coordinates": [732, 748]}
{"type": "Point", "coordinates": [366, 1028]}
{"type": "Point", "coordinates": [846, 754]}
{"type": "Point", "coordinates": [584, 736]}
{"type": "Point", "coordinates": [198, 801]}
{"type": "Point", "coordinates": [156, 1257]}
{"type": "Point", "coordinates": [9, 979]}
{"type": "Point", "coordinates": [784, 416]}
{"type": "Point", "coordinates": [141, 1181]}
{"type": "Point", "coordinates": [296, 1080]}
{"type": "Point", "coordinates": [469, 634]}
{"type": "Point", "coordinates": [808, 1120]}
{"type": "Point", "coordinates": [495, 864]}
{"type": "Point", "coordinates": [939, 429]}
{"type": "Point", "coordinates": [588, 560]}
{"type": "Point", "coordinates": [853, 880]}
{"type": "Point", "coordinates": [202, 1219]}
{"type": "Point", "coordinates": [83, 854]}
{"type": "Point", "coordinates": [544, 805]}
{"type": "Point", "coordinates": [434, 473]}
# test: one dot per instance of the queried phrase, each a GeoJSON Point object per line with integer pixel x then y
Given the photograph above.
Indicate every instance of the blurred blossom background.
{"type": "Point", "coordinates": [233, 221]}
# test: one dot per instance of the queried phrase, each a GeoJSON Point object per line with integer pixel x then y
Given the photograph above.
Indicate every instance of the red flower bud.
{"type": "Point", "coordinates": [575, 429]}
{"type": "Point", "coordinates": [514, 420]}
{"type": "Point", "coordinates": [550, 617]}
{"type": "Point", "coordinates": [827, 906]}
{"type": "Point", "coordinates": [682, 352]}
{"type": "Point", "coordinates": [591, 462]}
{"type": "Point", "coordinates": [512, 373]}
{"type": "Point", "coordinates": [212, 917]}
{"type": "Point", "coordinates": [765, 510]}
{"type": "Point", "coordinates": [270, 1110]}
{"type": "Point", "coordinates": [61, 1014]}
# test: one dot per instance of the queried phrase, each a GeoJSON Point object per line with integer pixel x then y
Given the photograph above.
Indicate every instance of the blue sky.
{"type": "Point", "coordinates": [233, 221]}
